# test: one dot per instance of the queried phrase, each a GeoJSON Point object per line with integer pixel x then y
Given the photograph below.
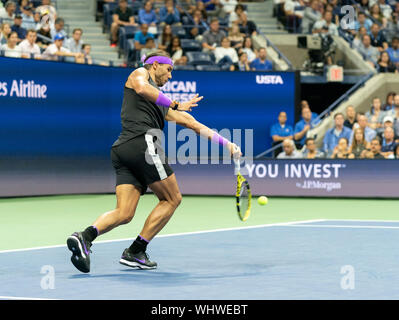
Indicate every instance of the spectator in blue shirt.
{"type": "Point", "coordinates": [303, 126]}
{"type": "Point", "coordinates": [147, 15]}
{"type": "Point", "coordinates": [368, 52]}
{"type": "Point", "coordinates": [305, 104]}
{"type": "Point", "coordinates": [261, 63]}
{"type": "Point", "coordinates": [169, 14]}
{"type": "Point", "coordinates": [58, 28]}
{"type": "Point", "coordinates": [280, 131]}
{"type": "Point", "coordinates": [393, 51]}
{"type": "Point", "coordinates": [378, 39]}
{"type": "Point", "coordinates": [369, 134]}
{"type": "Point", "coordinates": [28, 20]}
{"type": "Point", "coordinates": [388, 144]}
{"type": "Point", "coordinates": [362, 21]}
{"type": "Point", "coordinates": [140, 38]}
{"type": "Point", "coordinates": [18, 28]}
{"type": "Point", "coordinates": [350, 117]}
{"type": "Point", "coordinates": [199, 24]}
{"type": "Point", "coordinates": [333, 135]}
{"type": "Point", "coordinates": [389, 103]}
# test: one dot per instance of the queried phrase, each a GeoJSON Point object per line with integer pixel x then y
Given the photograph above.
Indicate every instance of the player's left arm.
{"type": "Point", "coordinates": [188, 121]}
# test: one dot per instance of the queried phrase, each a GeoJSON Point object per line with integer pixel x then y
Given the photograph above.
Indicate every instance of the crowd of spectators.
{"type": "Point", "coordinates": [27, 31]}
{"type": "Point", "coordinates": [374, 31]}
{"type": "Point", "coordinates": [220, 27]}
{"type": "Point", "coordinates": [370, 135]}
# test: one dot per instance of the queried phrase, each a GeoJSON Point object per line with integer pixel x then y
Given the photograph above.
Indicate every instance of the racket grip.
{"type": "Point", "coordinates": [236, 153]}
{"type": "Point", "coordinates": [237, 166]}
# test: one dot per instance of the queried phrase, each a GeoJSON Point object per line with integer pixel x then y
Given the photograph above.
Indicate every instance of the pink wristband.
{"type": "Point", "coordinates": [163, 100]}
{"type": "Point", "coordinates": [217, 138]}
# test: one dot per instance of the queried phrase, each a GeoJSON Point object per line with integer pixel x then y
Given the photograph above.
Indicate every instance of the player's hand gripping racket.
{"type": "Point", "coordinates": [243, 193]}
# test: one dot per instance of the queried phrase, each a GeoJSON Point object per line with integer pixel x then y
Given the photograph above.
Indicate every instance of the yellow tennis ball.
{"type": "Point", "coordinates": [262, 200]}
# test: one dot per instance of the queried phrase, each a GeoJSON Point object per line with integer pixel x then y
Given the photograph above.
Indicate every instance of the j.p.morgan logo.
{"type": "Point", "coordinates": [269, 79]}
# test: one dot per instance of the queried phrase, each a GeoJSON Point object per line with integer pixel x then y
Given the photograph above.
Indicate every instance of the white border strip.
{"type": "Point", "coordinates": [22, 298]}
{"type": "Point", "coordinates": [179, 234]}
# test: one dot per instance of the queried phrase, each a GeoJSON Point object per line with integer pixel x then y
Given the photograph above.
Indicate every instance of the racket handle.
{"type": "Point", "coordinates": [237, 165]}
{"type": "Point", "coordinates": [236, 153]}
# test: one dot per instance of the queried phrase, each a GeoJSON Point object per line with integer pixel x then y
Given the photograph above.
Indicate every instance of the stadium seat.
{"type": "Point", "coordinates": [108, 9]}
{"type": "Point", "coordinates": [36, 3]}
{"type": "Point", "coordinates": [207, 68]}
{"type": "Point", "coordinates": [224, 22]}
{"type": "Point", "coordinates": [186, 20]}
{"type": "Point", "coordinates": [190, 45]}
{"type": "Point", "coordinates": [69, 59]}
{"type": "Point", "coordinates": [126, 33]}
{"type": "Point", "coordinates": [185, 68]}
{"type": "Point", "coordinates": [136, 5]}
{"type": "Point", "coordinates": [201, 29]}
{"type": "Point", "coordinates": [130, 51]}
{"type": "Point", "coordinates": [199, 58]}
{"type": "Point", "coordinates": [179, 31]}
{"type": "Point", "coordinates": [213, 58]}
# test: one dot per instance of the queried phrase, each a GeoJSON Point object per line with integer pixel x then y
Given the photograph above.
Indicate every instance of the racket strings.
{"type": "Point", "coordinates": [244, 199]}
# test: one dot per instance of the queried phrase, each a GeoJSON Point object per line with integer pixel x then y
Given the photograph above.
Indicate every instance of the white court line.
{"type": "Point", "coordinates": [343, 226]}
{"type": "Point", "coordinates": [362, 220]}
{"type": "Point", "coordinates": [22, 298]}
{"type": "Point", "coordinates": [178, 234]}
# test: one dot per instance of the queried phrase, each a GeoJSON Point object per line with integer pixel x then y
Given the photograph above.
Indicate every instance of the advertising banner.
{"type": "Point", "coordinates": [59, 120]}
{"type": "Point", "coordinates": [313, 178]}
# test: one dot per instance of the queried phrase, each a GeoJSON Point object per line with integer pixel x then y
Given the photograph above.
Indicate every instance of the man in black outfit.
{"type": "Point", "coordinates": [350, 117]}
{"type": "Point", "coordinates": [375, 150]}
{"type": "Point", "coordinates": [140, 162]}
{"type": "Point", "coordinates": [123, 16]}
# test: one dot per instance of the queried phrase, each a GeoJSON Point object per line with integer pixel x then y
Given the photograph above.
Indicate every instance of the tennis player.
{"type": "Point", "coordinates": [139, 162]}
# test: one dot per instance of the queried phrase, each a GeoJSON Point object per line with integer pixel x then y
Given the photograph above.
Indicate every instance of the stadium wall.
{"type": "Point", "coordinates": [59, 120]}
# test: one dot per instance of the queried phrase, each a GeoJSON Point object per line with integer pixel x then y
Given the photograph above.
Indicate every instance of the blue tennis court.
{"type": "Point", "coordinates": [315, 259]}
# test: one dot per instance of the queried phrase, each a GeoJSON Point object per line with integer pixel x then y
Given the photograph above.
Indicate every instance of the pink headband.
{"type": "Point", "coordinates": [159, 59]}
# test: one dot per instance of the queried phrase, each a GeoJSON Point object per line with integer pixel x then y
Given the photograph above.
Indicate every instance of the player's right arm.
{"type": "Point", "coordinates": [138, 80]}
{"type": "Point", "coordinates": [188, 121]}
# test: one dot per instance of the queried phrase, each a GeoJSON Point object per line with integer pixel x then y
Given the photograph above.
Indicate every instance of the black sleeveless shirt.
{"type": "Point", "coordinates": [138, 115]}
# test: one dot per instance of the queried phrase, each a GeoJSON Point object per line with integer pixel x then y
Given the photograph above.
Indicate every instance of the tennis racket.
{"type": "Point", "coordinates": [243, 194]}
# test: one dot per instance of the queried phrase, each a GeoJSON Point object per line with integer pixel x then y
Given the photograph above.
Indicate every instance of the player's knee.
{"type": "Point", "coordinates": [177, 200]}
{"type": "Point", "coordinates": [125, 216]}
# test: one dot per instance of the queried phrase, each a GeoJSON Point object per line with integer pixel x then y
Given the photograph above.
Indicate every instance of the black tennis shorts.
{"type": "Point", "coordinates": [140, 161]}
